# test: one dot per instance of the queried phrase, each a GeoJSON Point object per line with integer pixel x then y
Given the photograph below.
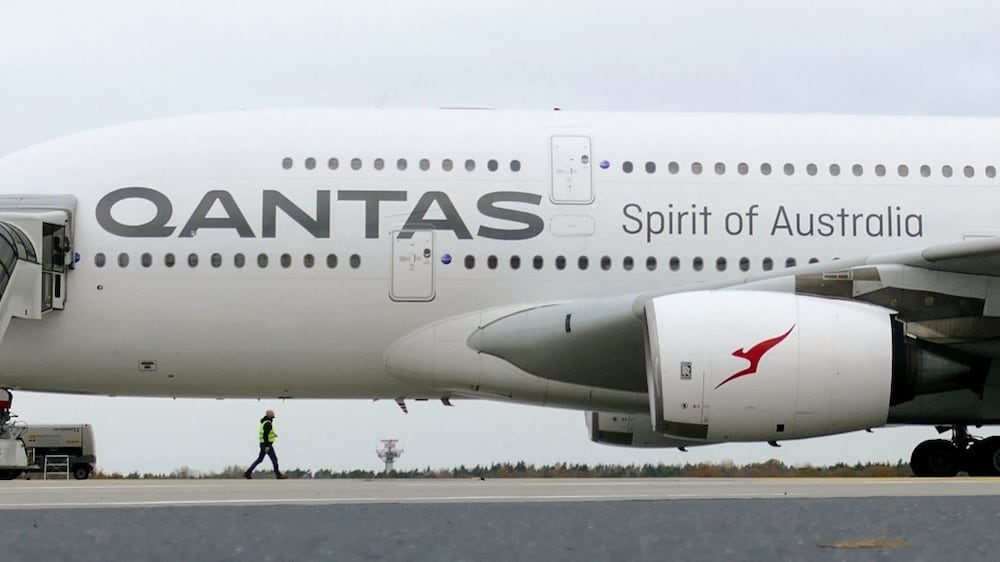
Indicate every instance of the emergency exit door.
{"type": "Point", "coordinates": [412, 265]}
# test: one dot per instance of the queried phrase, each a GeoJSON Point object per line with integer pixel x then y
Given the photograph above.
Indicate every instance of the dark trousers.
{"type": "Point", "coordinates": [260, 458]}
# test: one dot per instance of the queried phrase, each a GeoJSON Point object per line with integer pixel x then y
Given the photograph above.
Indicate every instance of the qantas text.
{"type": "Point", "coordinates": [504, 209]}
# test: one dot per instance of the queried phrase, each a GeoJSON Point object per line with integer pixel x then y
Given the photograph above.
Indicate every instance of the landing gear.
{"type": "Point", "coordinates": [983, 457]}
{"type": "Point", "coordinates": [943, 457]}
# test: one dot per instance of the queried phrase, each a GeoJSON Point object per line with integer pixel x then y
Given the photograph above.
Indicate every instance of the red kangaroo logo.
{"type": "Point", "coordinates": [754, 355]}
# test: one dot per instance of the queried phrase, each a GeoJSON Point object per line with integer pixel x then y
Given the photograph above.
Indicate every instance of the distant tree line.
{"type": "Point", "coordinates": [771, 468]}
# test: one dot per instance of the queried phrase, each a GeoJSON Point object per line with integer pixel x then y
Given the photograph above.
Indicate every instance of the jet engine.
{"type": "Point", "coordinates": [763, 366]}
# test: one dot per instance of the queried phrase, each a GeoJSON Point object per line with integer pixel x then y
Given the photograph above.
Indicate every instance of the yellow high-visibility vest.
{"type": "Point", "coordinates": [271, 436]}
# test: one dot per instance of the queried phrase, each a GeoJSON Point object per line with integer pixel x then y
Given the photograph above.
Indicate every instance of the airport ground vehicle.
{"type": "Point", "coordinates": [70, 443]}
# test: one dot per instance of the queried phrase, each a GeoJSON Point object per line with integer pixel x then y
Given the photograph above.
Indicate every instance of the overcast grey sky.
{"type": "Point", "coordinates": [66, 66]}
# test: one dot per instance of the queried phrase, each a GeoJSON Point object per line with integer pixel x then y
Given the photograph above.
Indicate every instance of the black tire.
{"type": "Point", "coordinates": [984, 457]}
{"type": "Point", "coordinates": [9, 474]}
{"type": "Point", "coordinates": [936, 458]}
{"type": "Point", "coordinates": [81, 472]}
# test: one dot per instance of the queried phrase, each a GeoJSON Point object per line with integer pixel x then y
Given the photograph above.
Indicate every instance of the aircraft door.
{"type": "Point", "coordinates": [571, 173]}
{"type": "Point", "coordinates": [412, 266]}
{"type": "Point", "coordinates": [55, 247]}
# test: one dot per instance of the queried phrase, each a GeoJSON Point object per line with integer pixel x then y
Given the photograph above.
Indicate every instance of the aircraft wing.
{"type": "Point", "coordinates": [945, 295]}
{"type": "Point", "coordinates": [976, 257]}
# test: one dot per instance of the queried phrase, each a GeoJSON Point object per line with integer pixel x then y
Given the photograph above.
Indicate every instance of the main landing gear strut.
{"type": "Point", "coordinates": [944, 457]}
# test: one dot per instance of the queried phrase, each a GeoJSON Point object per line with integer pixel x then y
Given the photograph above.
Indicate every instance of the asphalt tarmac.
{"type": "Point", "coordinates": [548, 519]}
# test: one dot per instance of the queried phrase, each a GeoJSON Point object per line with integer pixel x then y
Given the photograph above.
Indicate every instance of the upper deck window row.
{"type": "Point", "coordinates": [812, 169]}
{"type": "Point", "coordinates": [401, 164]}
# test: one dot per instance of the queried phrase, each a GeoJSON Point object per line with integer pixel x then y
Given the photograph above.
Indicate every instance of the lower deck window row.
{"type": "Point", "coordinates": [628, 263]}
{"type": "Point", "coordinates": [262, 260]}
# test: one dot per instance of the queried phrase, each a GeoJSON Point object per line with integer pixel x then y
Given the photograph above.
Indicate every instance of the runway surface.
{"type": "Point", "coordinates": [25, 494]}
{"type": "Point", "coordinates": [545, 519]}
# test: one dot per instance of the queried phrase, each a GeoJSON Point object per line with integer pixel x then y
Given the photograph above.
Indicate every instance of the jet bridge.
{"type": "Point", "coordinates": [35, 255]}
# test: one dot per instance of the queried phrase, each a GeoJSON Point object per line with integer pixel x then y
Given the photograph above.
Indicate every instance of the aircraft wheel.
{"type": "Point", "coordinates": [937, 457]}
{"type": "Point", "coordinates": [984, 457]}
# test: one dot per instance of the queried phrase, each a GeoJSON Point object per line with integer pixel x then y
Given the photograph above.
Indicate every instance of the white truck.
{"type": "Point", "coordinates": [59, 444]}
{"type": "Point", "coordinates": [43, 447]}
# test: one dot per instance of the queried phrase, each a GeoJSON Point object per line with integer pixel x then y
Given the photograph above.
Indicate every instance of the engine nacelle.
{"type": "Point", "coordinates": [628, 430]}
{"type": "Point", "coordinates": [760, 366]}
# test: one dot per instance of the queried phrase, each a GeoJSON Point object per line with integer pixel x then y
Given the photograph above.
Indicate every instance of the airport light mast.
{"type": "Point", "coordinates": [389, 453]}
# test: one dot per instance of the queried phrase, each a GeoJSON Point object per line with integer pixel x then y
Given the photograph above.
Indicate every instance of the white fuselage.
{"type": "Point", "coordinates": [286, 329]}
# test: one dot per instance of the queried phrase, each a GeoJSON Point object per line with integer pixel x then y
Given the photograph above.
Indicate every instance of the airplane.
{"type": "Point", "coordinates": [683, 279]}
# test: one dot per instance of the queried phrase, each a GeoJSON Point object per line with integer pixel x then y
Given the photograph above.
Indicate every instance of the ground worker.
{"type": "Point", "coordinates": [266, 436]}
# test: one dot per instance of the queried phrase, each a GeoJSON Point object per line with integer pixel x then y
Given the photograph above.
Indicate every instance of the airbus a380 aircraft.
{"type": "Point", "coordinates": [687, 279]}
